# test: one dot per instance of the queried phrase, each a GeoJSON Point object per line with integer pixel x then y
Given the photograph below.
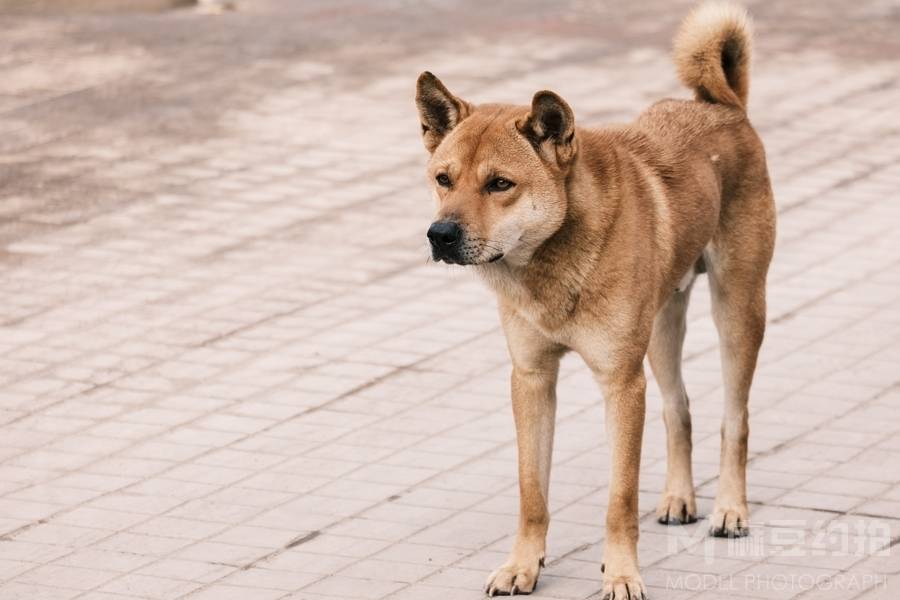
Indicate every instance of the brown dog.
{"type": "Point", "coordinates": [591, 239]}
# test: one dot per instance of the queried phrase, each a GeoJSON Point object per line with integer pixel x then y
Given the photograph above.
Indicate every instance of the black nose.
{"type": "Point", "coordinates": [443, 234]}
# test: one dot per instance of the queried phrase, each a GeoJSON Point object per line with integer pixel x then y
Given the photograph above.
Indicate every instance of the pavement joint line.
{"type": "Point", "coordinates": [188, 461]}
{"type": "Point", "coordinates": [185, 350]}
{"type": "Point", "coordinates": [826, 294]}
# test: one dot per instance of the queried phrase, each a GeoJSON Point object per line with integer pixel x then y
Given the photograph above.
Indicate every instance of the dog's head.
{"type": "Point", "coordinates": [497, 173]}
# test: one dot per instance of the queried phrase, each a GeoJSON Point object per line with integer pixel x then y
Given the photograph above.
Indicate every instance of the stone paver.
{"type": "Point", "coordinates": [229, 371]}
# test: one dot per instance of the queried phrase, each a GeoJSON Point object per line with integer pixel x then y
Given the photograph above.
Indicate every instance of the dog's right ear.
{"type": "Point", "coordinates": [439, 110]}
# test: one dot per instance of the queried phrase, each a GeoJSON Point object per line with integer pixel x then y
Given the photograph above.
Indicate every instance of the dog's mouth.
{"type": "Point", "coordinates": [454, 261]}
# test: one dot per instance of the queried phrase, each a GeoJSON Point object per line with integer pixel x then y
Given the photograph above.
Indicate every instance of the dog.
{"type": "Point", "coordinates": [591, 239]}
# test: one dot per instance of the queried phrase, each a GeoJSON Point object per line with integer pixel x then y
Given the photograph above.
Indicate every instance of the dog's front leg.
{"type": "Point", "coordinates": [624, 392]}
{"type": "Point", "coordinates": [534, 409]}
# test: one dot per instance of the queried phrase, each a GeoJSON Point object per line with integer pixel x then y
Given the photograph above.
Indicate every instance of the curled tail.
{"type": "Point", "coordinates": [712, 53]}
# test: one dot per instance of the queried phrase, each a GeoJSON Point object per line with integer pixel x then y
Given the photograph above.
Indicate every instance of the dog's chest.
{"type": "Point", "coordinates": [549, 310]}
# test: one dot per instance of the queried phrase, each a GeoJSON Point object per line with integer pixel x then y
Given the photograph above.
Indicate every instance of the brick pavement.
{"type": "Point", "coordinates": [228, 370]}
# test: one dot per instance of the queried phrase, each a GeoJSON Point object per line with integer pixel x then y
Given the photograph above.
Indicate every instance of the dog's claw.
{"type": "Point", "coordinates": [513, 579]}
{"type": "Point", "coordinates": [724, 532]}
{"type": "Point", "coordinates": [730, 523]}
{"type": "Point", "coordinates": [676, 509]}
{"type": "Point", "coordinates": [623, 588]}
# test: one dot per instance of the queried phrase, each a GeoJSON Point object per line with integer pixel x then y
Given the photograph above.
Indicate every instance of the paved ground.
{"type": "Point", "coordinates": [228, 370]}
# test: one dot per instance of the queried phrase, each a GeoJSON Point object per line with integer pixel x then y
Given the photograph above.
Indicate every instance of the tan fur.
{"type": "Point", "coordinates": [594, 250]}
{"type": "Point", "coordinates": [712, 53]}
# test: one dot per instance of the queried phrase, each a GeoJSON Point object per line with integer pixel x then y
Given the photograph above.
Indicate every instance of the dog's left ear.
{"type": "Point", "coordinates": [550, 127]}
{"type": "Point", "coordinates": [439, 110]}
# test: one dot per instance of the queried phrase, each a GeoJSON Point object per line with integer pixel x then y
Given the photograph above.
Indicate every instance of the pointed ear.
{"type": "Point", "coordinates": [550, 127]}
{"type": "Point", "coordinates": [439, 110]}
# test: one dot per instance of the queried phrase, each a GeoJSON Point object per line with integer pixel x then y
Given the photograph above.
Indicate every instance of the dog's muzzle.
{"type": "Point", "coordinates": [446, 238]}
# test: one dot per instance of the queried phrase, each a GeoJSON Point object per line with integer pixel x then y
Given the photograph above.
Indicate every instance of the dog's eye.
{"type": "Point", "coordinates": [499, 184]}
{"type": "Point", "coordinates": [443, 179]}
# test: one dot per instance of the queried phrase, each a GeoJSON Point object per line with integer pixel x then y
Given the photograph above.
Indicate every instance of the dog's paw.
{"type": "Point", "coordinates": [514, 578]}
{"type": "Point", "coordinates": [675, 509]}
{"type": "Point", "coordinates": [732, 521]}
{"type": "Point", "coordinates": [623, 588]}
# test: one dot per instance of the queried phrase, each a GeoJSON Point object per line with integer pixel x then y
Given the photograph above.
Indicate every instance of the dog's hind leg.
{"type": "Point", "coordinates": [677, 504]}
{"type": "Point", "coordinates": [737, 261]}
